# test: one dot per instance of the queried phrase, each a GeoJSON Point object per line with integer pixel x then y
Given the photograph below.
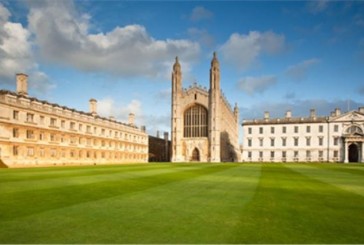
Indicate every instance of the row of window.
{"type": "Point", "coordinates": [295, 129]}
{"type": "Point", "coordinates": [56, 138]}
{"type": "Point", "coordinates": [195, 122]}
{"type": "Point", "coordinates": [295, 141]}
{"type": "Point", "coordinates": [295, 154]}
{"type": "Point", "coordinates": [81, 128]}
{"type": "Point", "coordinates": [56, 153]}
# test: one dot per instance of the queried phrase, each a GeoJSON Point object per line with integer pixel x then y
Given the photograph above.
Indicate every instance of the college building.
{"type": "Point", "coordinates": [204, 126]}
{"type": "Point", "coordinates": [159, 148]}
{"type": "Point", "coordinates": [335, 138]}
{"type": "Point", "coordinates": [35, 132]}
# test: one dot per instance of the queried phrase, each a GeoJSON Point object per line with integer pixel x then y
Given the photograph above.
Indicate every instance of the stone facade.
{"type": "Point", "coordinates": [335, 138]}
{"type": "Point", "coordinates": [204, 126]}
{"type": "Point", "coordinates": [38, 133]}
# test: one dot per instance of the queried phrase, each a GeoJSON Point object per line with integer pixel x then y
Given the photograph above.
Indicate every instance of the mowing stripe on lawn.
{"type": "Point", "coordinates": [10, 175]}
{"type": "Point", "coordinates": [346, 181]}
{"type": "Point", "coordinates": [357, 170]}
{"type": "Point", "coordinates": [203, 209]}
{"type": "Point", "coordinates": [69, 179]}
{"type": "Point", "coordinates": [24, 203]}
{"type": "Point", "coordinates": [290, 207]}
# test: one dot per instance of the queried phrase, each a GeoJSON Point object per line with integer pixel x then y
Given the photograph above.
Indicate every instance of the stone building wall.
{"type": "Point", "coordinates": [159, 149]}
{"type": "Point", "coordinates": [335, 138]}
{"type": "Point", "coordinates": [38, 133]}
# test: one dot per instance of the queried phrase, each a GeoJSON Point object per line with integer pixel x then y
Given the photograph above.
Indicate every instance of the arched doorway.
{"type": "Point", "coordinates": [353, 153]}
{"type": "Point", "coordinates": [195, 155]}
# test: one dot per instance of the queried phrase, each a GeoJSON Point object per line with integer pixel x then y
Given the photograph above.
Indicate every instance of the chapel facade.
{"type": "Point", "coordinates": [204, 126]}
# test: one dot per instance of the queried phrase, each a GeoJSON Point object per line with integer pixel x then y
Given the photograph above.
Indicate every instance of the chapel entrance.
{"type": "Point", "coordinates": [195, 155]}
{"type": "Point", "coordinates": [353, 153]}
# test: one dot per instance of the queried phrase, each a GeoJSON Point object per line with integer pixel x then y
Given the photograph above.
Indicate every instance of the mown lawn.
{"type": "Point", "coordinates": [183, 203]}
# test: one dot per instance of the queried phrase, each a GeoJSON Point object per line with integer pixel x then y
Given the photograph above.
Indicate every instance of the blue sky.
{"type": "Point", "coordinates": [274, 55]}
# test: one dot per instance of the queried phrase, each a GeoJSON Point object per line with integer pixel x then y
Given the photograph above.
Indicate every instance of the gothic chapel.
{"type": "Point", "coordinates": [204, 126]}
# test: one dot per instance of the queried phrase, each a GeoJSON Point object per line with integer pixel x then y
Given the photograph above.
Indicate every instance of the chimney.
{"type": "Point", "coordinates": [313, 113]}
{"type": "Point", "coordinates": [288, 114]}
{"type": "Point", "coordinates": [337, 112]}
{"type": "Point", "coordinates": [142, 128]}
{"type": "Point", "coordinates": [266, 115]}
{"type": "Point", "coordinates": [131, 119]}
{"type": "Point", "coordinates": [93, 107]}
{"type": "Point", "coordinates": [361, 109]}
{"type": "Point", "coordinates": [22, 84]}
{"type": "Point", "coordinates": [166, 136]}
{"type": "Point", "coordinates": [157, 133]}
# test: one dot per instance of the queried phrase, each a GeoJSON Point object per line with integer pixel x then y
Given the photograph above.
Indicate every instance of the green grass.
{"type": "Point", "coordinates": [183, 203]}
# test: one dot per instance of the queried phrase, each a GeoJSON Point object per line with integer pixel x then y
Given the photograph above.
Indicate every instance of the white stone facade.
{"type": "Point", "coordinates": [38, 133]}
{"type": "Point", "coordinates": [204, 126]}
{"type": "Point", "coordinates": [335, 138]}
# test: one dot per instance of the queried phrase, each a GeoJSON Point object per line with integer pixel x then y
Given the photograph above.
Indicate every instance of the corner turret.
{"type": "Point", "coordinates": [215, 73]}
{"type": "Point", "coordinates": [214, 115]}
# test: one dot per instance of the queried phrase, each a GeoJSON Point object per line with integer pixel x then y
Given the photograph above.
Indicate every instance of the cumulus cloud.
{"type": "Point", "coordinates": [201, 13]}
{"type": "Point", "coordinates": [107, 107]}
{"type": "Point", "coordinates": [15, 47]}
{"type": "Point", "coordinates": [243, 50]}
{"type": "Point", "coordinates": [299, 71]}
{"type": "Point", "coordinates": [16, 54]}
{"type": "Point", "coordinates": [63, 36]}
{"type": "Point", "coordinates": [4, 13]}
{"type": "Point", "coordinates": [252, 85]}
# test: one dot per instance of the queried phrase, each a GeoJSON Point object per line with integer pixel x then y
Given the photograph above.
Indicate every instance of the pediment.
{"type": "Point", "coordinates": [196, 89]}
{"type": "Point", "coordinates": [351, 116]}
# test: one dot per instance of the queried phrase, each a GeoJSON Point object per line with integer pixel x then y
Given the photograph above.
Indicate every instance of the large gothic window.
{"type": "Point", "coordinates": [354, 129]}
{"type": "Point", "coordinates": [195, 122]}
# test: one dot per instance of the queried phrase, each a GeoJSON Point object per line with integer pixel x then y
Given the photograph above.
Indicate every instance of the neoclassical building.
{"type": "Point", "coordinates": [335, 138]}
{"type": "Point", "coordinates": [204, 126]}
{"type": "Point", "coordinates": [34, 132]}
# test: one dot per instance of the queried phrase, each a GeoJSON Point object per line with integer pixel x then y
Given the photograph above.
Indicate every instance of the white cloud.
{"type": "Point", "coordinates": [252, 85]}
{"type": "Point", "coordinates": [107, 107]}
{"type": "Point", "coordinates": [4, 13]}
{"type": "Point", "coordinates": [299, 71]}
{"type": "Point", "coordinates": [16, 54]}
{"type": "Point", "coordinates": [15, 47]}
{"type": "Point", "coordinates": [63, 37]}
{"type": "Point", "coordinates": [200, 13]}
{"type": "Point", "coordinates": [243, 50]}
